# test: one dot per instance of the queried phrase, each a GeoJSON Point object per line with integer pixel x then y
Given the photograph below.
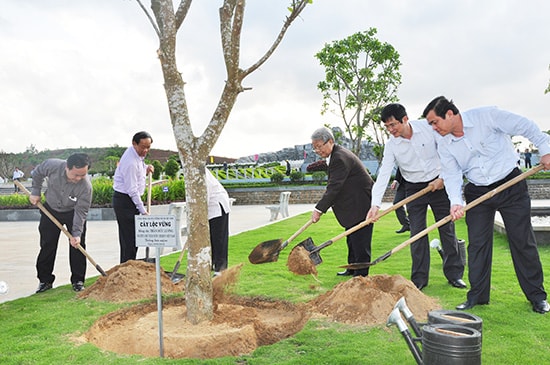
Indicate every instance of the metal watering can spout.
{"type": "Point", "coordinates": [395, 318]}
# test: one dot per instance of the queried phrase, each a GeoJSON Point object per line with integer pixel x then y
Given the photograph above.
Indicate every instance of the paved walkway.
{"type": "Point", "coordinates": [19, 246]}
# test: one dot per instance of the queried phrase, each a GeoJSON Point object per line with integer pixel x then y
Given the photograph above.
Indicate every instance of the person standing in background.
{"type": "Point", "coordinates": [527, 158]}
{"type": "Point", "coordinates": [476, 144]}
{"type": "Point", "coordinates": [17, 175]}
{"type": "Point", "coordinates": [129, 186]}
{"type": "Point", "coordinates": [348, 192]}
{"type": "Point", "coordinates": [219, 208]}
{"type": "Point", "coordinates": [68, 199]}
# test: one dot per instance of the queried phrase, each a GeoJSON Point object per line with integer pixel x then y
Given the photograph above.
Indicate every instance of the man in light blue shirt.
{"type": "Point", "coordinates": [477, 144]}
{"type": "Point", "coordinates": [413, 149]}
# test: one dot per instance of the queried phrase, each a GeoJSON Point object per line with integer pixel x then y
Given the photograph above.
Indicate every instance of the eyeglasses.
{"type": "Point", "coordinates": [391, 125]}
{"type": "Point", "coordinates": [318, 148]}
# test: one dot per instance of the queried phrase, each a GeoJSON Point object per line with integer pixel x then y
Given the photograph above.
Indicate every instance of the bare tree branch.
{"type": "Point", "coordinates": [296, 9]}
{"type": "Point", "coordinates": [182, 11]}
{"type": "Point", "coordinates": [149, 17]}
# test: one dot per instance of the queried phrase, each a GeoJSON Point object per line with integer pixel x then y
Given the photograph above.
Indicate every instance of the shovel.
{"type": "Point", "coordinates": [61, 227]}
{"type": "Point", "coordinates": [268, 251]}
{"type": "Point", "coordinates": [149, 193]}
{"type": "Point", "coordinates": [486, 196]}
{"type": "Point", "coordinates": [174, 276]}
{"type": "Point", "coordinates": [314, 250]}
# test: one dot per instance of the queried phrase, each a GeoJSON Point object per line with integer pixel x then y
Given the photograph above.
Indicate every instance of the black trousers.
{"type": "Point", "coordinates": [125, 212]}
{"type": "Point", "coordinates": [359, 248]}
{"type": "Point", "coordinates": [401, 212]}
{"type": "Point", "coordinates": [219, 239]}
{"type": "Point", "coordinates": [49, 239]}
{"type": "Point", "coordinates": [514, 205]}
{"type": "Point", "coordinates": [420, 249]}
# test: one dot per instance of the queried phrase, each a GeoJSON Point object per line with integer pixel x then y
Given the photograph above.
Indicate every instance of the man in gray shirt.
{"type": "Point", "coordinates": [68, 199]}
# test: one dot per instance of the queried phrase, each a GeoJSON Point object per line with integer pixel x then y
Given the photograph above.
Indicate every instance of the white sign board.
{"type": "Point", "coordinates": [156, 231]}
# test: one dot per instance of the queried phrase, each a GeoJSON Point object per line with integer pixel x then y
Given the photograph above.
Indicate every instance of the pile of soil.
{"type": "Point", "coordinates": [240, 325]}
{"type": "Point", "coordinates": [129, 282]}
{"type": "Point", "coordinates": [369, 300]}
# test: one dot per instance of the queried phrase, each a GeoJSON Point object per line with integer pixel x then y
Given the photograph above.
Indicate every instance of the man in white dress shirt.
{"type": "Point", "coordinates": [477, 144]}
{"type": "Point", "coordinates": [413, 149]}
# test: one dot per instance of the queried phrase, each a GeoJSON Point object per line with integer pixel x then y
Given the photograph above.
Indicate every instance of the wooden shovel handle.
{"type": "Point", "coordinates": [470, 205]}
{"type": "Point", "coordinates": [149, 192]}
{"type": "Point", "coordinates": [296, 234]}
{"type": "Point", "coordinates": [447, 219]}
{"type": "Point", "coordinates": [366, 222]}
{"type": "Point", "coordinates": [61, 227]}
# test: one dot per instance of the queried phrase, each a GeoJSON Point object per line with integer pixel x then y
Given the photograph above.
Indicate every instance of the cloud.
{"type": "Point", "coordinates": [85, 73]}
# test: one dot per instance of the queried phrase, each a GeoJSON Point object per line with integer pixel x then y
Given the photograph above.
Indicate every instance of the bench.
{"type": "Point", "coordinates": [282, 207]}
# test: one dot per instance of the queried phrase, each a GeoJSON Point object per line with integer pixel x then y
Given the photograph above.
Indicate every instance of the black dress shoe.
{"type": "Point", "coordinates": [458, 283]}
{"type": "Point", "coordinates": [421, 286]}
{"type": "Point", "coordinates": [78, 286]}
{"type": "Point", "coordinates": [469, 305]}
{"type": "Point", "coordinates": [347, 272]}
{"type": "Point", "coordinates": [403, 229]}
{"type": "Point", "coordinates": [541, 307]}
{"type": "Point", "coordinates": [42, 287]}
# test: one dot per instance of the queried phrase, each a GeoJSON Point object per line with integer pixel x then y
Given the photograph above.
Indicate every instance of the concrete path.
{"type": "Point", "coordinates": [19, 244]}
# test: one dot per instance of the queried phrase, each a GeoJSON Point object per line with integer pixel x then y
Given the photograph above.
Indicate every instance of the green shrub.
{"type": "Point", "coordinates": [277, 177]}
{"type": "Point", "coordinates": [158, 169]}
{"type": "Point", "coordinates": [14, 200]}
{"type": "Point", "coordinates": [102, 191]}
{"type": "Point", "coordinates": [296, 176]}
{"type": "Point", "coordinates": [319, 176]}
{"type": "Point", "coordinates": [171, 168]}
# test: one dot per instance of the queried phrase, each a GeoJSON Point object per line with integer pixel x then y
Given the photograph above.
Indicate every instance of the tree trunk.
{"type": "Point", "coordinates": [193, 150]}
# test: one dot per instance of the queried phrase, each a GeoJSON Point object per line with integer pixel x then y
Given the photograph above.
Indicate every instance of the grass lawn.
{"type": "Point", "coordinates": [40, 329]}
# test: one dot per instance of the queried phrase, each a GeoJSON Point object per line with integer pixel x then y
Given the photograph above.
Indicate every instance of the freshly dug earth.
{"type": "Point", "coordinates": [130, 282]}
{"type": "Point", "coordinates": [369, 300]}
{"type": "Point", "coordinates": [299, 262]}
{"type": "Point", "coordinates": [240, 325]}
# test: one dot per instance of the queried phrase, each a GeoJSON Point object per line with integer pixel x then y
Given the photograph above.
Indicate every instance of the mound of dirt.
{"type": "Point", "coordinates": [369, 300]}
{"type": "Point", "coordinates": [239, 325]}
{"type": "Point", "coordinates": [129, 282]}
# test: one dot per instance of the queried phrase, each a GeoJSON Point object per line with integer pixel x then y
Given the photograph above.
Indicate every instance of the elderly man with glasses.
{"type": "Point", "coordinates": [348, 193]}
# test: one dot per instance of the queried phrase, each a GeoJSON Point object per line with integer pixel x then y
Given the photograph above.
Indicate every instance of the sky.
{"type": "Point", "coordinates": [85, 73]}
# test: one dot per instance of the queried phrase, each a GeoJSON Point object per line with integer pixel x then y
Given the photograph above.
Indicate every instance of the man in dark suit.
{"type": "Point", "coordinates": [348, 193]}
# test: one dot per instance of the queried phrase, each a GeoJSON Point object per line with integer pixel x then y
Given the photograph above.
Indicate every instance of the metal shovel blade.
{"type": "Point", "coordinates": [312, 249]}
{"type": "Point", "coordinates": [267, 251]}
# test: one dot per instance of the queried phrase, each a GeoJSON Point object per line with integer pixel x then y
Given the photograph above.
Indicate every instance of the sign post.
{"type": "Point", "coordinates": [157, 231]}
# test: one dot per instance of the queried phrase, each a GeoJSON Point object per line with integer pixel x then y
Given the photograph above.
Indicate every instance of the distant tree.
{"type": "Point", "coordinates": [548, 88]}
{"type": "Point", "coordinates": [31, 150]}
{"type": "Point", "coordinates": [7, 164]}
{"type": "Point", "coordinates": [361, 76]}
{"type": "Point", "coordinates": [194, 150]}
